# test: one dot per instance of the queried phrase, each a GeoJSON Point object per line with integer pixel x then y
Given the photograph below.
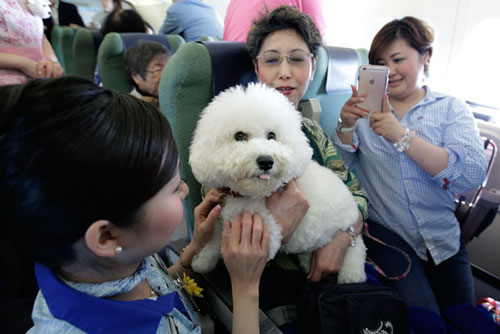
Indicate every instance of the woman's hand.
{"type": "Point", "coordinates": [52, 69]}
{"type": "Point", "coordinates": [330, 258]}
{"type": "Point", "coordinates": [245, 247]}
{"type": "Point", "coordinates": [385, 124]}
{"type": "Point", "coordinates": [33, 69]}
{"type": "Point", "coordinates": [288, 208]}
{"type": "Point", "coordinates": [350, 112]}
{"type": "Point", "coordinates": [205, 214]}
{"type": "Point", "coordinates": [41, 69]}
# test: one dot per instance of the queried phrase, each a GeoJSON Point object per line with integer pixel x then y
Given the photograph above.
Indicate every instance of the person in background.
{"type": "Point", "coordinates": [241, 13]}
{"type": "Point", "coordinates": [413, 156]}
{"type": "Point", "coordinates": [107, 7]}
{"type": "Point", "coordinates": [144, 65]}
{"type": "Point", "coordinates": [125, 20]}
{"type": "Point", "coordinates": [25, 52]}
{"type": "Point", "coordinates": [63, 14]}
{"type": "Point", "coordinates": [94, 221]}
{"type": "Point", "coordinates": [192, 19]}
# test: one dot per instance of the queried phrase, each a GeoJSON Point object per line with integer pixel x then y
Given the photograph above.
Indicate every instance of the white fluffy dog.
{"type": "Point", "coordinates": [250, 141]}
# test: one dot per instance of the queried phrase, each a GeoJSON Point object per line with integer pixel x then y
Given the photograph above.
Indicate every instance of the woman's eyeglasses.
{"type": "Point", "coordinates": [155, 72]}
{"type": "Point", "coordinates": [294, 58]}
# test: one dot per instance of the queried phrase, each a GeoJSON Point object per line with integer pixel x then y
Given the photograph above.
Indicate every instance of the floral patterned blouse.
{"type": "Point", "coordinates": [21, 33]}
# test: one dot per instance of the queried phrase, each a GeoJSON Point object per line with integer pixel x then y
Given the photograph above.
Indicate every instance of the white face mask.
{"type": "Point", "coordinates": [40, 8]}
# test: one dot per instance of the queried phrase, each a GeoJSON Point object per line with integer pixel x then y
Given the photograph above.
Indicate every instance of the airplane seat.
{"type": "Point", "coordinates": [56, 40]}
{"type": "Point", "coordinates": [476, 209]}
{"type": "Point", "coordinates": [85, 47]}
{"type": "Point", "coordinates": [68, 36]}
{"type": "Point", "coordinates": [110, 57]}
{"type": "Point", "coordinates": [206, 38]}
{"type": "Point", "coordinates": [175, 42]}
{"type": "Point", "coordinates": [192, 77]}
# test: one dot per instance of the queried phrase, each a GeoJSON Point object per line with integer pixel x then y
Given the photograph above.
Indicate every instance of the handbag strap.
{"type": "Point", "coordinates": [491, 305]}
{"type": "Point", "coordinates": [377, 267]}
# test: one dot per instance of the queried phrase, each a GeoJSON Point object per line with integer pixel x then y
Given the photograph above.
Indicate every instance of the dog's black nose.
{"type": "Point", "coordinates": [265, 162]}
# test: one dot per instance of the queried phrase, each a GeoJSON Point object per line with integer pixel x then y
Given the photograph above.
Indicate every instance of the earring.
{"type": "Point", "coordinates": [118, 250]}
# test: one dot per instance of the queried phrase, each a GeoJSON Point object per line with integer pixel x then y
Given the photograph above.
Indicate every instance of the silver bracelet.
{"type": "Point", "coordinates": [342, 129]}
{"type": "Point", "coordinates": [404, 142]}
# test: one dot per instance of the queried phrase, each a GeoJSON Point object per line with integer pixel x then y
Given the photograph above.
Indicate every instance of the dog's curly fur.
{"type": "Point", "coordinates": [250, 141]}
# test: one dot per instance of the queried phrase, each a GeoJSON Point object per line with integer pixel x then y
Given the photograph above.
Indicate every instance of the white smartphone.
{"type": "Point", "coordinates": [372, 83]}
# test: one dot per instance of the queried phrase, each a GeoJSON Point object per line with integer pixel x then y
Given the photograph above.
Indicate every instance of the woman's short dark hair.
{"type": "Point", "coordinates": [413, 30]}
{"type": "Point", "coordinates": [72, 153]}
{"type": "Point", "coordinates": [123, 20]}
{"type": "Point", "coordinates": [283, 17]}
{"type": "Point", "coordinates": [138, 57]}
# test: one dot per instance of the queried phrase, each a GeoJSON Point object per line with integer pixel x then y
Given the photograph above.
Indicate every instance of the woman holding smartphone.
{"type": "Point", "coordinates": [412, 157]}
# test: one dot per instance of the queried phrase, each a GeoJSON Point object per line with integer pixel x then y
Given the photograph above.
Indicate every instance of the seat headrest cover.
{"type": "Point", "coordinates": [231, 65]}
{"type": "Point", "coordinates": [342, 70]}
{"type": "Point", "coordinates": [132, 38]}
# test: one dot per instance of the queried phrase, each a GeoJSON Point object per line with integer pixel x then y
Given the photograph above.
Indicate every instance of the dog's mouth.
{"type": "Point", "coordinates": [264, 176]}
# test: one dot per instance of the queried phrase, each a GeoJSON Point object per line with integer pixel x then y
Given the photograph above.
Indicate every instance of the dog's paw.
{"type": "Point", "coordinates": [355, 276]}
{"type": "Point", "coordinates": [353, 268]}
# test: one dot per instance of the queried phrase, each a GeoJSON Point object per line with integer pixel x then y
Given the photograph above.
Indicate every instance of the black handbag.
{"type": "Point", "coordinates": [361, 308]}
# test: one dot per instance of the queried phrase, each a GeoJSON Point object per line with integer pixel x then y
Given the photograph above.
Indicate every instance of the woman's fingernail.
{"type": "Point", "coordinates": [362, 99]}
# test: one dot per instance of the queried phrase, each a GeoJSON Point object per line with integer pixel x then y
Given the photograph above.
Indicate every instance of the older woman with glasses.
{"type": "Point", "coordinates": [283, 45]}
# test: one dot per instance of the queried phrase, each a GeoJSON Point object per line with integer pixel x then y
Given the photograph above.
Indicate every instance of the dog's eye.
{"type": "Point", "coordinates": [240, 136]}
{"type": "Point", "coordinates": [271, 135]}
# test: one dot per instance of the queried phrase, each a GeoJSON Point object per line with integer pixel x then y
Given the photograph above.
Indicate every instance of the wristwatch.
{"type": "Point", "coordinates": [352, 235]}
{"type": "Point", "coordinates": [342, 129]}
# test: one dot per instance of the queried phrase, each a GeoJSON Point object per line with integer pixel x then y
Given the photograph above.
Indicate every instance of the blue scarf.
{"type": "Point", "coordinates": [99, 315]}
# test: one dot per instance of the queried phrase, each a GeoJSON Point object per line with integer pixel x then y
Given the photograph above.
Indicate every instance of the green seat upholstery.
{"type": "Point", "coordinates": [85, 46]}
{"type": "Point", "coordinates": [191, 79]}
{"type": "Point", "coordinates": [175, 42]}
{"type": "Point", "coordinates": [110, 57]}
{"type": "Point", "coordinates": [56, 39]}
{"type": "Point", "coordinates": [206, 38]}
{"type": "Point", "coordinates": [68, 35]}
